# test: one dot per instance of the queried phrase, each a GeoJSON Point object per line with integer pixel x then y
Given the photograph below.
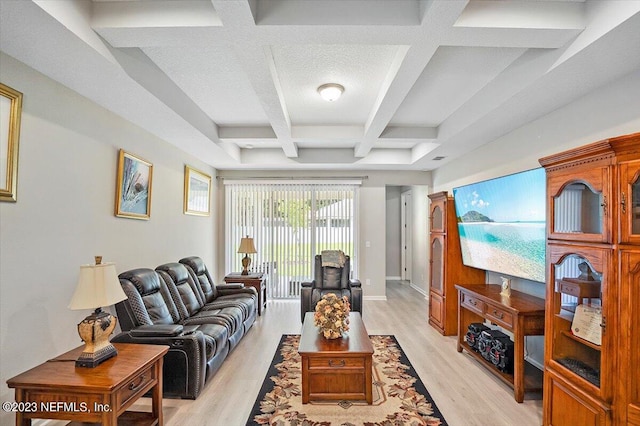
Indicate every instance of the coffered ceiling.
{"type": "Point", "coordinates": [234, 82]}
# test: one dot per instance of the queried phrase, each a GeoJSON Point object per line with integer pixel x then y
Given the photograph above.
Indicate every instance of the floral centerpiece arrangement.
{"type": "Point", "coordinates": [332, 315]}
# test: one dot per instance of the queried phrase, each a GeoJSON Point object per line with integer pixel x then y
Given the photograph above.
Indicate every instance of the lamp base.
{"type": "Point", "coordinates": [95, 330]}
{"type": "Point", "coordinates": [91, 360]}
{"type": "Point", "coordinates": [246, 261]}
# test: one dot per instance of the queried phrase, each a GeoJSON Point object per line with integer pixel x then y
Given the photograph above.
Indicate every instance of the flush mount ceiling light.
{"type": "Point", "coordinates": [330, 91]}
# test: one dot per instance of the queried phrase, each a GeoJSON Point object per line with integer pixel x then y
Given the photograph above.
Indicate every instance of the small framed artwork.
{"type": "Point", "coordinates": [133, 187]}
{"type": "Point", "coordinates": [197, 192]}
{"type": "Point", "coordinates": [10, 112]}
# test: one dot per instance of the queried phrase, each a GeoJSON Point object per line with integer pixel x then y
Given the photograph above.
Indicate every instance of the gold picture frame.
{"type": "Point", "coordinates": [197, 192]}
{"type": "Point", "coordinates": [133, 187]}
{"type": "Point", "coordinates": [10, 113]}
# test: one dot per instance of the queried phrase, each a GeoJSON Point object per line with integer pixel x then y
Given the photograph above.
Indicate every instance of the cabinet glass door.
{"type": "Point", "coordinates": [579, 317]}
{"type": "Point", "coordinates": [580, 207]}
{"type": "Point", "coordinates": [437, 263]}
{"type": "Point", "coordinates": [437, 218]}
{"type": "Point", "coordinates": [630, 202]}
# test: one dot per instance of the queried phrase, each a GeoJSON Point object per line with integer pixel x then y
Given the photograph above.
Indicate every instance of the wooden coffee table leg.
{"type": "Point", "coordinates": [368, 380]}
{"type": "Point", "coordinates": [305, 379]}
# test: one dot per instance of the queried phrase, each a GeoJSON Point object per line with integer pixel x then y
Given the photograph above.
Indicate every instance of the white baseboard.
{"type": "Point", "coordinates": [398, 278]}
{"type": "Point", "coordinates": [534, 362]}
{"type": "Point", "coordinates": [382, 298]}
{"type": "Point", "coordinates": [419, 290]}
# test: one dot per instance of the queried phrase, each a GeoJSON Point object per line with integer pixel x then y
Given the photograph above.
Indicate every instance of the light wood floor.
{"type": "Point", "coordinates": [464, 391]}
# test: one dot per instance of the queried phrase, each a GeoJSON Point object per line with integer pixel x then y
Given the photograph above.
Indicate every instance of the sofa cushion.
{"type": "Point", "coordinates": [148, 297]}
{"type": "Point", "coordinates": [201, 275]}
{"type": "Point", "coordinates": [246, 303]}
{"type": "Point", "coordinates": [183, 290]}
{"type": "Point", "coordinates": [231, 317]}
{"type": "Point", "coordinates": [215, 337]}
{"type": "Point", "coordinates": [331, 277]}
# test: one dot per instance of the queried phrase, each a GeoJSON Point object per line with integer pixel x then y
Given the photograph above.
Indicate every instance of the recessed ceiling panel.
{"type": "Point", "coordinates": [337, 12]}
{"type": "Point", "coordinates": [361, 69]}
{"type": "Point", "coordinates": [214, 80]}
{"type": "Point", "coordinates": [454, 75]}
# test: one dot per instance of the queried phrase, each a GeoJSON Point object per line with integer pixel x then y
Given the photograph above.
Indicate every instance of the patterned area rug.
{"type": "Point", "coordinates": [399, 396]}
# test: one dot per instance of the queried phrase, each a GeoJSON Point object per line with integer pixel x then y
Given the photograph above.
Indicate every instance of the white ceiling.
{"type": "Point", "coordinates": [234, 82]}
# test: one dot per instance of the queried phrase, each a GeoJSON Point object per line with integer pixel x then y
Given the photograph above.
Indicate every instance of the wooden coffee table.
{"type": "Point", "coordinates": [336, 369]}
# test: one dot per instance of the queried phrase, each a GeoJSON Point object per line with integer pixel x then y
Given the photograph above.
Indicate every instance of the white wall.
{"type": "Point", "coordinates": [420, 248]}
{"type": "Point", "coordinates": [64, 216]}
{"type": "Point", "coordinates": [393, 233]}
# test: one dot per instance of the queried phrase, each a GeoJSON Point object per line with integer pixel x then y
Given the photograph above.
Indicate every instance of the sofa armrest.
{"type": "Point", "coordinates": [160, 330]}
{"type": "Point", "coordinates": [162, 336]}
{"type": "Point", "coordinates": [309, 284]}
{"type": "Point", "coordinates": [224, 290]}
{"type": "Point", "coordinates": [185, 365]}
{"type": "Point", "coordinates": [355, 283]}
{"type": "Point", "coordinates": [232, 286]}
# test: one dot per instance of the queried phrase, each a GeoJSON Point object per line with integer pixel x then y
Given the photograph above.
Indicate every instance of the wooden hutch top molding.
{"type": "Point", "coordinates": [598, 151]}
{"type": "Point", "coordinates": [604, 150]}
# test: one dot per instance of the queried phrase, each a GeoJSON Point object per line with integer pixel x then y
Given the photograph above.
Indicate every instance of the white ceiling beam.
{"type": "Point", "coordinates": [408, 132]}
{"type": "Point", "coordinates": [76, 16]}
{"type": "Point", "coordinates": [141, 69]}
{"type": "Point", "coordinates": [601, 18]}
{"type": "Point", "coordinates": [523, 14]}
{"type": "Point", "coordinates": [257, 61]}
{"type": "Point", "coordinates": [406, 69]}
{"type": "Point", "coordinates": [326, 132]}
{"type": "Point", "coordinates": [421, 150]}
{"type": "Point", "coordinates": [509, 38]}
{"type": "Point", "coordinates": [246, 132]}
{"type": "Point", "coordinates": [153, 14]}
{"type": "Point", "coordinates": [337, 12]}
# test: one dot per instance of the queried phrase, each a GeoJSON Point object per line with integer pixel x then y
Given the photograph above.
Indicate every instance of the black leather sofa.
{"type": "Point", "coordinates": [178, 305]}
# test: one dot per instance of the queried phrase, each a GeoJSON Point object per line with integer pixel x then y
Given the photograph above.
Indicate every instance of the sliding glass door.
{"type": "Point", "coordinates": [290, 224]}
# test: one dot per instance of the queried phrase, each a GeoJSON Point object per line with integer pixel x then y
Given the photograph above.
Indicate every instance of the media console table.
{"type": "Point", "coordinates": [521, 314]}
{"type": "Point", "coordinates": [57, 389]}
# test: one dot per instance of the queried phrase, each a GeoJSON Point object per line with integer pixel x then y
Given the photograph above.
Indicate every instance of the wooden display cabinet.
{"type": "Point", "coordinates": [446, 267]}
{"type": "Point", "coordinates": [592, 373]}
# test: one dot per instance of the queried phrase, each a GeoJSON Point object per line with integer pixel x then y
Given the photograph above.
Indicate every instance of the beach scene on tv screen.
{"type": "Point", "coordinates": [501, 223]}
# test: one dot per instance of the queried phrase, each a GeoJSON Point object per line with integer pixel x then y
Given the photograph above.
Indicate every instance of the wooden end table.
{"type": "Point", "coordinates": [57, 389]}
{"type": "Point", "coordinates": [257, 280]}
{"type": "Point", "coordinates": [336, 369]}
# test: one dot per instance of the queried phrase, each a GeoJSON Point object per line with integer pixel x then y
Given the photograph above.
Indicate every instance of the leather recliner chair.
{"type": "Point", "coordinates": [328, 279]}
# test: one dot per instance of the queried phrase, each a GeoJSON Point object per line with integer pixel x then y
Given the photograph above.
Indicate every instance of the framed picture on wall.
{"type": "Point", "coordinates": [197, 192]}
{"type": "Point", "coordinates": [10, 112]}
{"type": "Point", "coordinates": [133, 187]}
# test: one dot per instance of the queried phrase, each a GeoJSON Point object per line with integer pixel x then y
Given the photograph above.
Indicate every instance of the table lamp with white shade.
{"type": "Point", "coordinates": [247, 247]}
{"type": "Point", "coordinates": [98, 286]}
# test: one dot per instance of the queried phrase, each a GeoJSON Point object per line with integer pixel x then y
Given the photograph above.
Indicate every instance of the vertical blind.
{"type": "Point", "coordinates": [289, 224]}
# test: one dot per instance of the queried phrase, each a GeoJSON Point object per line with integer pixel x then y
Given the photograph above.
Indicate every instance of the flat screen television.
{"type": "Point", "coordinates": [501, 224]}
